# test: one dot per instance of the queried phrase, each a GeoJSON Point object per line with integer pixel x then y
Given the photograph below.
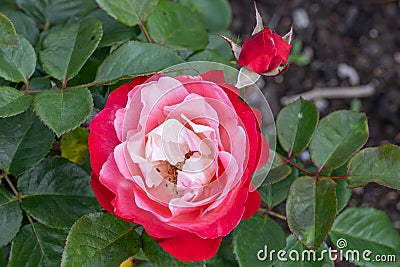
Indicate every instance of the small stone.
{"type": "Point", "coordinates": [279, 79]}
{"type": "Point", "coordinates": [305, 156]}
{"type": "Point", "coordinates": [396, 57]}
{"type": "Point", "coordinates": [321, 104]}
{"type": "Point", "coordinates": [300, 18]}
{"type": "Point", "coordinates": [373, 33]}
{"type": "Point", "coordinates": [345, 71]}
{"type": "Point", "coordinates": [396, 224]}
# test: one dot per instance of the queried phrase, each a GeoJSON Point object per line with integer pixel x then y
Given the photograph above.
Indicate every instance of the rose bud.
{"type": "Point", "coordinates": [177, 155]}
{"type": "Point", "coordinates": [263, 53]}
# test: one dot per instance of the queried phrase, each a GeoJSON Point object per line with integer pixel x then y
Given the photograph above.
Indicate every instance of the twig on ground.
{"type": "Point", "coordinates": [332, 92]}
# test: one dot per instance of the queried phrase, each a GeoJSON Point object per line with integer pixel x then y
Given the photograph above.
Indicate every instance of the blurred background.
{"type": "Point", "coordinates": [339, 44]}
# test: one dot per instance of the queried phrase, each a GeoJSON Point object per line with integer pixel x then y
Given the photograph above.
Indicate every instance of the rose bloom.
{"type": "Point", "coordinates": [264, 52]}
{"type": "Point", "coordinates": [177, 155]}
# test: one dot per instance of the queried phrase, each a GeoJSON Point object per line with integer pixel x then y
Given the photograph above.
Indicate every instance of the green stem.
{"type": "Point", "coordinates": [13, 189]}
{"type": "Point", "coordinates": [94, 83]}
{"type": "Point", "coordinates": [145, 32]}
{"type": "Point", "coordinates": [26, 85]}
{"type": "Point", "coordinates": [272, 213]}
{"type": "Point", "coordinates": [29, 218]}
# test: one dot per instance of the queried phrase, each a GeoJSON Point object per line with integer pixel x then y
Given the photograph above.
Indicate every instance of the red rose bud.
{"type": "Point", "coordinates": [262, 53]}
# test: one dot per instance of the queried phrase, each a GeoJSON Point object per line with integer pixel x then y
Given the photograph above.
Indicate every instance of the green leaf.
{"type": "Point", "coordinates": [216, 14]}
{"type": "Point", "coordinates": [224, 256]}
{"type": "Point", "coordinates": [343, 193]}
{"type": "Point", "coordinates": [311, 209]}
{"type": "Point", "coordinates": [113, 31]}
{"type": "Point", "coordinates": [74, 145]}
{"type": "Point", "coordinates": [63, 110]}
{"type": "Point", "coordinates": [208, 55]}
{"type": "Point", "coordinates": [159, 258]}
{"type": "Point", "coordinates": [177, 27]}
{"type": "Point", "coordinates": [295, 125]}
{"type": "Point", "coordinates": [39, 83]}
{"type": "Point", "coordinates": [65, 51]}
{"type": "Point", "coordinates": [378, 164]}
{"type": "Point", "coordinates": [362, 229]}
{"type": "Point", "coordinates": [88, 72]}
{"type": "Point", "coordinates": [24, 141]}
{"type": "Point", "coordinates": [56, 11]}
{"type": "Point", "coordinates": [128, 12]}
{"type": "Point", "coordinates": [100, 239]}
{"type": "Point", "coordinates": [13, 102]}
{"type": "Point", "coordinates": [4, 252]}
{"type": "Point", "coordinates": [276, 193]}
{"type": "Point", "coordinates": [8, 35]}
{"type": "Point", "coordinates": [219, 45]}
{"type": "Point", "coordinates": [17, 64]}
{"type": "Point", "coordinates": [339, 135]}
{"type": "Point", "coordinates": [24, 24]}
{"type": "Point", "coordinates": [253, 236]}
{"type": "Point", "coordinates": [279, 170]}
{"type": "Point", "coordinates": [11, 216]}
{"type": "Point", "coordinates": [56, 192]}
{"type": "Point", "coordinates": [303, 257]}
{"type": "Point", "coordinates": [135, 58]}
{"type": "Point", "coordinates": [37, 245]}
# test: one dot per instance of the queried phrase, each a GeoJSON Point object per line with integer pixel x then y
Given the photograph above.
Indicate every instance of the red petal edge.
{"type": "Point", "coordinates": [190, 247]}
{"type": "Point", "coordinates": [103, 195]}
{"type": "Point", "coordinates": [119, 97]}
{"type": "Point", "coordinates": [253, 203]}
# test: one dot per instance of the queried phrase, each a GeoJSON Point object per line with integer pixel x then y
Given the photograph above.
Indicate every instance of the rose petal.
{"type": "Point", "coordinates": [253, 203]}
{"type": "Point", "coordinates": [258, 51]}
{"type": "Point", "coordinates": [102, 138]}
{"type": "Point", "coordinates": [190, 247]}
{"type": "Point", "coordinates": [112, 178]}
{"type": "Point", "coordinates": [103, 195]}
{"type": "Point", "coordinates": [119, 97]}
{"type": "Point", "coordinates": [282, 48]}
{"type": "Point", "coordinates": [167, 91]}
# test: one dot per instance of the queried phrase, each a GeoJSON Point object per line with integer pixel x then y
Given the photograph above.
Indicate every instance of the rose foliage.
{"type": "Point", "coordinates": [113, 153]}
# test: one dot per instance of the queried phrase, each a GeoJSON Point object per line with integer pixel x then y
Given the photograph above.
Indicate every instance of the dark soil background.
{"type": "Point", "coordinates": [349, 43]}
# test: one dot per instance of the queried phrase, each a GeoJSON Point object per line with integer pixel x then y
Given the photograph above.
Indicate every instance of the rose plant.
{"type": "Point", "coordinates": [114, 153]}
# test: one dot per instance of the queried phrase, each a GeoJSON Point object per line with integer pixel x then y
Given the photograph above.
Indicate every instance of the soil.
{"type": "Point", "coordinates": [349, 43]}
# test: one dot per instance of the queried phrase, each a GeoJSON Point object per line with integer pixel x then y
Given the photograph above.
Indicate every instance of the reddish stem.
{"type": "Point", "coordinates": [145, 32]}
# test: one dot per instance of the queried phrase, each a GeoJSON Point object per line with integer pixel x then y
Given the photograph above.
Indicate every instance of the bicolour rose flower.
{"type": "Point", "coordinates": [263, 53]}
{"type": "Point", "coordinates": [177, 155]}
